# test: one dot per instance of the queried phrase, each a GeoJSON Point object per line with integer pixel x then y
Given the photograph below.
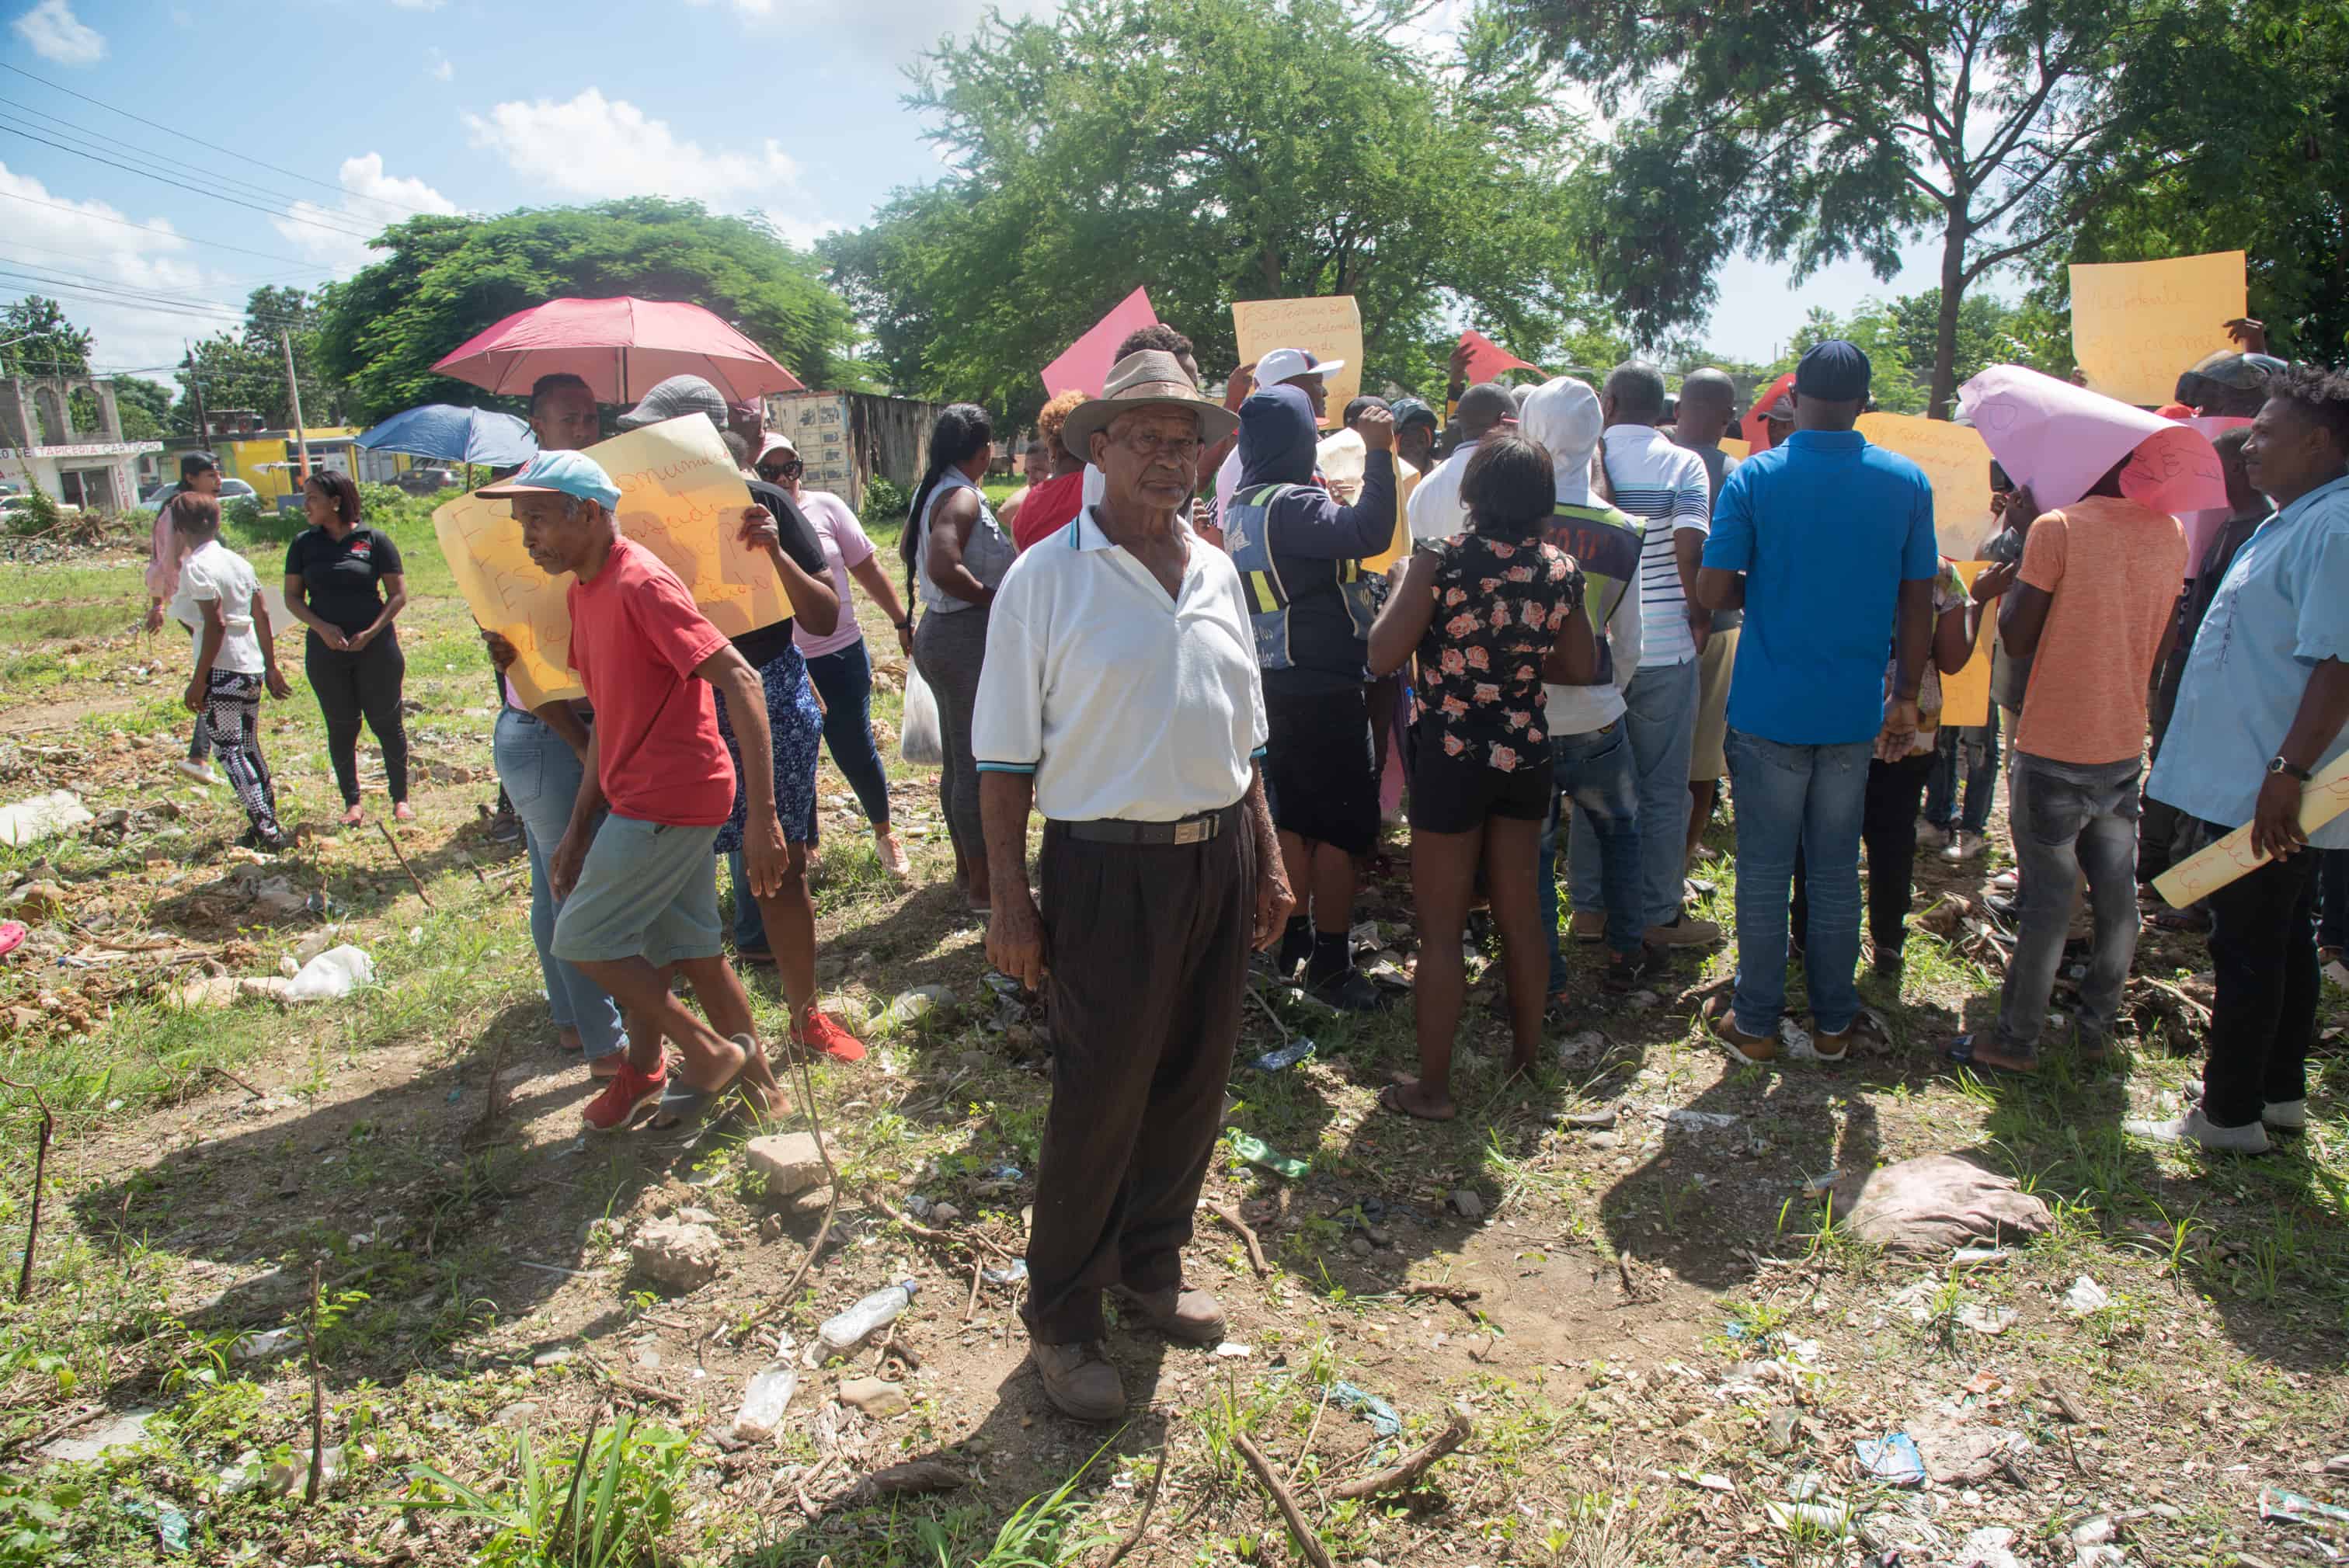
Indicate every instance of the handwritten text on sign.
{"type": "Point", "coordinates": [2325, 796]}
{"type": "Point", "coordinates": [2136, 324]}
{"type": "Point", "coordinates": [1954, 457]}
{"type": "Point", "coordinates": [1329, 328]}
{"type": "Point", "coordinates": [680, 498]}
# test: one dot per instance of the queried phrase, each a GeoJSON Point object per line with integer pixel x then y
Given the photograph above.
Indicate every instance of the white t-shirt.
{"type": "Point", "coordinates": [1173, 736]}
{"type": "Point", "coordinates": [215, 572]}
{"type": "Point", "coordinates": [1436, 511]}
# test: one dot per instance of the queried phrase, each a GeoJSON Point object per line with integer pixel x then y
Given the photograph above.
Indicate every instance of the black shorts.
{"type": "Point", "coordinates": [1319, 776]}
{"type": "Point", "coordinates": [1456, 794]}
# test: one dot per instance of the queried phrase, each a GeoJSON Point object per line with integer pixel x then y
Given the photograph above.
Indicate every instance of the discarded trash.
{"type": "Point", "coordinates": [1586, 1043]}
{"type": "Point", "coordinates": [1828, 1520]}
{"type": "Point", "coordinates": [1983, 1318]}
{"type": "Point", "coordinates": [1892, 1459]}
{"type": "Point", "coordinates": [764, 1401]}
{"type": "Point", "coordinates": [1820, 1186]}
{"type": "Point", "coordinates": [919, 1007]}
{"type": "Point", "coordinates": [170, 1526]}
{"type": "Point", "coordinates": [261, 1346]}
{"type": "Point", "coordinates": [1977, 1257]}
{"type": "Point", "coordinates": [1286, 1056]}
{"type": "Point", "coordinates": [2086, 1296]}
{"type": "Point", "coordinates": [1933, 1203]}
{"type": "Point", "coordinates": [1382, 1415]}
{"type": "Point", "coordinates": [1012, 1275]}
{"type": "Point", "coordinates": [1699, 1120]}
{"type": "Point", "coordinates": [1254, 1151]}
{"type": "Point", "coordinates": [1987, 1548]}
{"type": "Point", "coordinates": [334, 974]}
{"type": "Point", "coordinates": [2275, 1502]}
{"type": "Point", "coordinates": [314, 943]}
{"type": "Point", "coordinates": [846, 1331]}
{"type": "Point", "coordinates": [41, 817]}
{"type": "Point", "coordinates": [1230, 1351]}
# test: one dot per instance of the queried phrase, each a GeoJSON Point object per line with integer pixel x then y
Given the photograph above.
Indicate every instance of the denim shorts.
{"type": "Point", "coordinates": [648, 891]}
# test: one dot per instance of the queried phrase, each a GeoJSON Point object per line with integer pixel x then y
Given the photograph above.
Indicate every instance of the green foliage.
{"type": "Point", "coordinates": [609, 1511]}
{"type": "Point", "coordinates": [1898, 336]}
{"type": "Point", "coordinates": [31, 1515]}
{"type": "Point", "coordinates": [1214, 151]}
{"type": "Point", "coordinates": [145, 408]}
{"type": "Point", "coordinates": [40, 514]}
{"type": "Point", "coordinates": [885, 504]}
{"type": "Point", "coordinates": [445, 279]}
{"type": "Point", "coordinates": [247, 369]}
{"type": "Point", "coordinates": [1990, 123]}
{"type": "Point", "coordinates": [35, 339]}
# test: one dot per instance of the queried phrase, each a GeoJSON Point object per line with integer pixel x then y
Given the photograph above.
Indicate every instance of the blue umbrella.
{"type": "Point", "coordinates": [456, 435]}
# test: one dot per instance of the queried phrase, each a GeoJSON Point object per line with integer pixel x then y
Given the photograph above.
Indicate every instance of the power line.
{"type": "Point", "coordinates": [183, 185]}
{"type": "Point", "coordinates": [150, 228]}
{"type": "Point", "coordinates": [200, 141]}
{"type": "Point", "coordinates": [107, 291]}
{"type": "Point", "coordinates": [43, 120]}
{"type": "Point", "coordinates": [13, 243]}
{"type": "Point", "coordinates": [144, 290]}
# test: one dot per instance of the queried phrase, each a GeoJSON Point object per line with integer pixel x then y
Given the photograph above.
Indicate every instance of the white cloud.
{"type": "Point", "coordinates": [441, 68]}
{"type": "Point", "coordinates": [50, 235]}
{"type": "Point", "coordinates": [372, 200]}
{"type": "Point", "coordinates": [597, 147]}
{"type": "Point", "coordinates": [883, 31]}
{"type": "Point", "coordinates": [59, 36]}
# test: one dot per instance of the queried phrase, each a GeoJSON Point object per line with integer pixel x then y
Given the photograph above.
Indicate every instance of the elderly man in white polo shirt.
{"type": "Point", "coordinates": [1121, 698]}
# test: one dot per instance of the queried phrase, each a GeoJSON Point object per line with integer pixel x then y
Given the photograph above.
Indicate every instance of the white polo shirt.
{"type": "Point", "coordinates": [1436, 511]}
{"type": "Point", "coordinates": [1121, 702]}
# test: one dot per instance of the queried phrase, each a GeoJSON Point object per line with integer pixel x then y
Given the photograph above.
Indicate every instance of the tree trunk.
{"type": "Point", "coordinates": [1945, 329]}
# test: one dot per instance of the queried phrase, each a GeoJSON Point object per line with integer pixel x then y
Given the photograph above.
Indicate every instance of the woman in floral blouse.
{"type": "Point", "coordinates": [1493, 613]}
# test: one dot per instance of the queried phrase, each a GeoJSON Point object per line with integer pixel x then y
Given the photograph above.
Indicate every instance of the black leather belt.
{"type": "Point", "coordinates": [1196, 829]}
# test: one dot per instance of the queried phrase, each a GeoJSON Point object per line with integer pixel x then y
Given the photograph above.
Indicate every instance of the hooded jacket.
{"type": "Point", "coordinates": [1301, 553]}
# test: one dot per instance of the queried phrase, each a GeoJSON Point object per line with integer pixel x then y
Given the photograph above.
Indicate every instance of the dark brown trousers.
{"type": "Point", "coordinates": [1148, 947]}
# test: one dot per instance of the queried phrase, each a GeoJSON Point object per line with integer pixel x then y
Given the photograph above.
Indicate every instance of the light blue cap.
{"type": "Point", "coordinates": [559, 473]}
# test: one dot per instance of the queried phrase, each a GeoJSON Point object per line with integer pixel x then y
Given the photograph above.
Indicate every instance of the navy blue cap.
{"type": "Point", "coordinates": [1835, 372]}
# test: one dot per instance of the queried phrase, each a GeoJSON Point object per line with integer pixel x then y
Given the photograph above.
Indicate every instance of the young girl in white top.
{"type": "Point", "coordinates": [236, 656]}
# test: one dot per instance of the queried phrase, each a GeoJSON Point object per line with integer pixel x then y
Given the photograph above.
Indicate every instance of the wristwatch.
{"type": "Point", "coordinates": [906, 624]}
{"type": "Point", "coordinates": [2278, 765]}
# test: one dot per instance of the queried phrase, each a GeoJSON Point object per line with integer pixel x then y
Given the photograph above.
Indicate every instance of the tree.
{"type": "Point", "coordinates": [446, 279]}
{"type": "Point", "coordinates": [144, 407]}
{"type": "Point", "coordinates": [1214, 150]}
{"type": "Point", "coordinates": [1817, 132]}
{"type": "Point", "coordinates": [247, 369]}
{"type": "Point", "coordinates": [35, 339]}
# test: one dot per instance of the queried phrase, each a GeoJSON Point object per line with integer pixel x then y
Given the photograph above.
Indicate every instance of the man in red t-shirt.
{"type": "Point", "coordinates": [639, 893]}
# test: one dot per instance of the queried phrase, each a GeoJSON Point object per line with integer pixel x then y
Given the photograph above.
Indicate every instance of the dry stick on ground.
{"type": "Point", "coordinates": [1231, 1216]}
{"type": "Point", "coordinates": [1458, 1296]}
{"type": "Point", "coordinates": [405, 866]}
{"type": "Point", "coordinates": [49, 1434]}
{"type": "Point", "coordinates": [1283, 1499]}
{"type": "Point", "coordinates": [239, 1082]}
{"type": "Point", "coordinates": [41, 1180]}
{"type": "Point", "coordinates": [1397, 1477]}
{"type": "Point", "coordinates": [1268, 1012]}
{"type": "Point", "coordinates": [1311, 1433]}
{"type": "Point", "coordinates": [646, 1390]}
{"type": "Point", "coordinates": [970, 1310]}
{"type": "Point", "coordinates": [318, 1401]}
{"type": "Point", "coordinates": [1149, 1501]}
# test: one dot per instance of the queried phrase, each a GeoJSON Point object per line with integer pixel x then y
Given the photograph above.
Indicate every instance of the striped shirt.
{"type": "Point", "coordinates": [1664, 485]}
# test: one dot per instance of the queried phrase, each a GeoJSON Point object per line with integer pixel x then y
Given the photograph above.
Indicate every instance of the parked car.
{"type": "Point", "coordinates": [424, 480]}
{"type": "Point", "coordinates": [231, 491]}
{"type": "Point", "coordinates": [10, 505]}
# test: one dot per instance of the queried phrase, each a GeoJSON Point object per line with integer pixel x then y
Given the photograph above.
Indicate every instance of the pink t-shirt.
{"type": "Point", "coordinates": [844, 548]}
{"type": "Point", "coordinates": [637, 638]}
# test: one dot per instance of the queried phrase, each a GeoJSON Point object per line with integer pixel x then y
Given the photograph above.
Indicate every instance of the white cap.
{"type": "Point", "coordinates": [1288, 364]}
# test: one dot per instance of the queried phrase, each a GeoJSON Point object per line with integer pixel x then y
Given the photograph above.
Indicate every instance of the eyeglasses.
{"type": "Point", "coordinates": [788, 469]}
{"type": "Point", "coordinates": [1182, 448]}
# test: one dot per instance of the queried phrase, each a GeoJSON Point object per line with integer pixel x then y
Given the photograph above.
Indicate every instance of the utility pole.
{"type": "Point", "coordinates": [196, 392]}
{"type": "Point", "coordinates": [294, 391]}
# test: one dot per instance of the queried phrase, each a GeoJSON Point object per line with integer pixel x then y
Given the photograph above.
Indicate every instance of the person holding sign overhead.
{"type": "Point", "coordinates": [1282, 367]}
{"type": "Point", "coordinates": [2260, 709]}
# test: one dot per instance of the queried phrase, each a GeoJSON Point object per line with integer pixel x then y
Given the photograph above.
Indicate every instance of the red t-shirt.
{"type": "Point", "coordinates": [636, 637]}
{"type": "Point", "coordinates": [1049, 508]}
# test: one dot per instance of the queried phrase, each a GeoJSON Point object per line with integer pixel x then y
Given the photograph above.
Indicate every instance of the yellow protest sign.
{"type": "Point", "coordinates": [2137, 325]}
{"type": "Point", "coordinates": [1965, 697]}
{"type": "Point", "coordinates": [1327, 329]}
{"type": "Point", "coordinates": [1736, 448]}
{"type": "Point", "coordinates": [1958, 462]}
{"type": "Point", "coordinates": [680, 498]}
{"type": "Point", "coordinates": [2323, 798]}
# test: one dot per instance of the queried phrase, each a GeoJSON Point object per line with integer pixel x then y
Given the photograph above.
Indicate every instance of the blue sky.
{"type": "Point", "coordinates": [372, 109]}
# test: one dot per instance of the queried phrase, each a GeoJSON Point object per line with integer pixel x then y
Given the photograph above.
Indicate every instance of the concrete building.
{"type": "Point", "coordinates": [94, 468]}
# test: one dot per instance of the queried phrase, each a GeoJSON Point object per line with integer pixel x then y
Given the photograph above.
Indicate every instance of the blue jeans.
{"type": "Point", "coordinates": [2067, 818]}
{"type": "Point", "coordinates": [1593, 771]}
{"type": "Point", "coordinates": [1659, 719]}
{"type": "Point", "coordinates": [1789, 797]}
{"type": "Point", "coordinates": [844, 678]}
{"type": "Point", "coordinates": [1971, 753]}
{"type": "Point", "coordinates": [541, 776]}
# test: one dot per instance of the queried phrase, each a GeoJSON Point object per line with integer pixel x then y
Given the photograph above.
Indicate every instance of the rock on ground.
{"type": "Point", "coordinates": [679, 1254]}
{"type": "Point", "coordinates": [792, 1163]}
{"type": "Point", "coordinates": [875, 1397]}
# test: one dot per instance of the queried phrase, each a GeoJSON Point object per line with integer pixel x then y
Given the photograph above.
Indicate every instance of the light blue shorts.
{"type": "Point", "coordinates": [648, 891]}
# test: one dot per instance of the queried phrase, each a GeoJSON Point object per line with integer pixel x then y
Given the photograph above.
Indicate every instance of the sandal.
{"type": "Point", "coordinates": [1961, 1052]}
{"type": "Point", "coordinates": [11, 937]}
{"type": "Point", "coordinates": [1390, 1099]}
{"type": "Point", "coordinates": [684, 1105]}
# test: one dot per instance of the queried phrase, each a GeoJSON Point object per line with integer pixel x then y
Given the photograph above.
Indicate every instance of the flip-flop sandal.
{"type": "Point", "coordinates": [1961, 1052]}
{"type": "Point", "coordinates": [682, 1105]}
{"type": "Point", "coordinates": [1390, 1099]}
{"type": "Point", "coordinates": [11, 937]}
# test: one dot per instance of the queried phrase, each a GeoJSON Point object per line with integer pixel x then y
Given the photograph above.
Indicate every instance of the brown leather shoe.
{"type": "Point", "coordinates": [1191, 1316]}
{"type": "Point", "coordinates": [1079, 1380]}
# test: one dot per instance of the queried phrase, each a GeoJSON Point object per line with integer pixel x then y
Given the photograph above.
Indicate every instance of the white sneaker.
{"type": "Point", "coordinates": [1932, 837]}
{"type": "Point", "coordinates": [201, 772]}
{"type": "Point", "coordinates": [1964, 846]}
{"type": "Point", "coordinates": [2290, 1115]}
{"type": "Point", "coordinates": [2193, 1127]}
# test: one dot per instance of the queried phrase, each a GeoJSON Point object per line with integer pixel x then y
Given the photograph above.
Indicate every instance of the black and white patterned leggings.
{"type": "Point", "coordinates": [232, 716]}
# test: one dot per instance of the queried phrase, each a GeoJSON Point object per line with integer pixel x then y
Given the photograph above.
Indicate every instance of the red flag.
{"type": "Point", "coordinates": [1487, 359]}
{"type": "Point", "coordinates": [1086, 363]}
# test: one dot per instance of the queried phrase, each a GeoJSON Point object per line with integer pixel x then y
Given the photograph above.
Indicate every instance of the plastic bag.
{"type": "Point", "coordinates": [918, 740]}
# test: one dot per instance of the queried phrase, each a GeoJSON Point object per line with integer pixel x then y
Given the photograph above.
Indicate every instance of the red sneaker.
{"type": "Point", "coordinates": [819, 1033]}
{"type": "Point", "coordinates": [626, 1096]}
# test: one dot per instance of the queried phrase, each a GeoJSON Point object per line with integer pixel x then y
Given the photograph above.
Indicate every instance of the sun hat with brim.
{"type": "Point", "coordinates": [773, 444]}
{"type": "Point", "coordinates": [1147, 378]}
{"type": "Point", "coordinates": [674, 399]}
{"type": "Point", "coordinates": [558, 473]}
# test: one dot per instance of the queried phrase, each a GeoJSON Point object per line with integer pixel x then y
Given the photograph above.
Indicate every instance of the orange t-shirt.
{"type": "Point", "coordinates": [2114, 569]}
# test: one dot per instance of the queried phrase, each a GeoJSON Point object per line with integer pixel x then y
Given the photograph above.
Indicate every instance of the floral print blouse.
{"type": "Point", "coordinates": [1499, 607]}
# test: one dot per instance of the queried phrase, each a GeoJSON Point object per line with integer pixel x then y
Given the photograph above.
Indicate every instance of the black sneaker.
{"type": "Point", "coordinates": [1349, 991]}
{"type": "Point", "coordinates": [505, 828]}
{"type": "Point", "coordinates": [1628, 973]}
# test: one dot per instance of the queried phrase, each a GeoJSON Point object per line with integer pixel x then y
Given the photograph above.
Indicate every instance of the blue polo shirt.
{"type": "Point", "coordinates": [2282, 608]}
{"type": "Point", "coordinates": [1826, 528]}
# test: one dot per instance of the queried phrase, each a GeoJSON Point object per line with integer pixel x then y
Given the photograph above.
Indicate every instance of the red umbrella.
{"type": "Point", "coordinates": [621, 348]}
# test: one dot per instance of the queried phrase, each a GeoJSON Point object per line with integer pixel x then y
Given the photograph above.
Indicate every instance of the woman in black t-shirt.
{"type": "Point", "coordinates": [343, 580]}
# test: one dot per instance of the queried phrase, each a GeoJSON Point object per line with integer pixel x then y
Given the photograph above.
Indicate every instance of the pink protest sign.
{"type": "Point", "coordinates": [2203, 525]}
{"type": "Point", "coordinates": [2059, 440]}
{"type": "Point", "coordinates": [1085, 364]}
{"type": "Point", "coordinates": [1487, 359]}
